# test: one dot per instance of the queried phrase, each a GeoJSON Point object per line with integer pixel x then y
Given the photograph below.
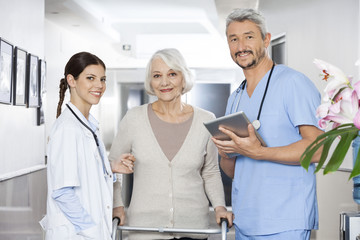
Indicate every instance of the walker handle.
{"type": "Point", "coordinates": [224, 220]}
{"type": "Point", "coordinates": [115, 223]}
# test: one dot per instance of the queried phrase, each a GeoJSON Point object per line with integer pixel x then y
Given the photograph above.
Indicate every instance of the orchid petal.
{"type": "Point", "coordinates": [337, 78]}
{"type": "Point", "coordinates": [335, 125]}
{"type": "Point", "coordinates": [356, 87]}
{"type": "Point", "coordinates": [357, 119]}
{"type": "Point", "coordinates": [323, 109]}
{"type": "Point", "coordinates": [323, 123]}
{"type": "Point", "coordinates": [339, 119]}
{"type": "Point", "coordinates": [354, 102]}
{"type": "Point", "coordinates": [335, 108]}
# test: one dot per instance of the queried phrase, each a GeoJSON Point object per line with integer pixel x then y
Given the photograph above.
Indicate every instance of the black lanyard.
{"type": "Point", "coordinates": [242, 87]}
{"type": "Point", "coordinates": [95, 138]}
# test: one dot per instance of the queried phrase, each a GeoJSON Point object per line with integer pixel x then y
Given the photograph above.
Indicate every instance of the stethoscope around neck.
{"type": "Point", "coordinates": [256, 123]}
{"type": "Point", "coordinates": [106, 173]}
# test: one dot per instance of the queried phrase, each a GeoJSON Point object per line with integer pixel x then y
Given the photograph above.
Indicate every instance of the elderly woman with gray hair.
{"type": "Point", "coordinates": [177, 170]}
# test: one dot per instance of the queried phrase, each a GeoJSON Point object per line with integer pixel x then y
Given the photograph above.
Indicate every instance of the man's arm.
{"type": "Point", "coordinates": [252, 148]}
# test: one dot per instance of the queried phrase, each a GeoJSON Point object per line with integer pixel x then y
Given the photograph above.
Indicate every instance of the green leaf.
{"type": "Point", "coordinates": [356, 169]}
{"type": "Point", "coordinates": [340, 151]}
{"type": "Point", "coordinates": [325, 152]}
{"type": "Point", "coordinates": [305, 159]}
{"type": "Point", "coordinates": [346, 132]}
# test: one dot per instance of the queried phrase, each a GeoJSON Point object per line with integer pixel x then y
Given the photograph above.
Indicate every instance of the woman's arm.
{"type": "Point", "coordinates": [121, 161]}
{"type": "Point", "coordinates": [213, 184]}
{"type": "Point", "coordinates": [70, 205]}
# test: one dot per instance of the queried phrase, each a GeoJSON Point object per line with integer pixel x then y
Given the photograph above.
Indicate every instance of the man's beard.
{"type": "Point", "coordinates": [254, 62]}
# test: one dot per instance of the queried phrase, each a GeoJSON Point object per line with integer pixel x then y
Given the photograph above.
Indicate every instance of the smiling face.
{"type": "Point", "coordinates": [247, 48]}
{"type": "Point", "coordinates": [89, 87]}
{"type": "Point", "coordinates": [166, 82]}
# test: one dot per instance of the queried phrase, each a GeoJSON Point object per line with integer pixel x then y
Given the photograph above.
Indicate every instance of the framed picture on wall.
{"type": "Point", "coordinates": [32, 81]}
{"type": "Point", "coordinates": [42, 90]}
{"type": "Point", "coordinates": [20, 62]}
{"type": "Point", "coordinates": [40, 116]}
{"type": "Point", "coordinates": [42, 77]}
{"type": "Point", "coordinates": [6, 70]}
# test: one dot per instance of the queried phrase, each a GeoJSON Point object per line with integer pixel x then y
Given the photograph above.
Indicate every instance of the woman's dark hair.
{"type": "Point", "coordinates": [76, 64]}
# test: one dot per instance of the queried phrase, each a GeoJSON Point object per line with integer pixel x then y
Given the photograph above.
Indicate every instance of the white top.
{"type": "Point", "coordinates": [74, 161]}
{"type": "Point", "coordinates": [169, 194]}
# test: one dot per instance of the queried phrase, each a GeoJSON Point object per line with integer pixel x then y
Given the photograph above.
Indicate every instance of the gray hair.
{"type": "Point", "coordinates": [243, 14]}
{"type": "Point", "coordinates": [173, 58]}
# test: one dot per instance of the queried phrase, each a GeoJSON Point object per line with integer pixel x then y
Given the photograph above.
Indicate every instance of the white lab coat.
{"type": "Point", "coordinates": [74, 160]}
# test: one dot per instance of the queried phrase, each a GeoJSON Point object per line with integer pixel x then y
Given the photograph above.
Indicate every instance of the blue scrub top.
{"type": "Point", "coordinates": [269, 197]}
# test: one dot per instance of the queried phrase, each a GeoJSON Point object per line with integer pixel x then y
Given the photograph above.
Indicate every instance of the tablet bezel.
{"type": "Point", "coordinates": [236, 122]}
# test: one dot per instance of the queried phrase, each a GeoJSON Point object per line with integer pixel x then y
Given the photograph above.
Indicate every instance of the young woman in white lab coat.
{"type": "Point", "coordinates": [79, 175]}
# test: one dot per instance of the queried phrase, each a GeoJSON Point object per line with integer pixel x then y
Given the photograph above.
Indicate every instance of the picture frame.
{"type": "Point", "coordinates": [40, 119]}
{"type": "Point", "coordinates": [32, 81]}
{"type": "Point", "coordinates": [42, 77]}
{"type": "Point", "coordinates": [6, 71]}
{"type": "Point", "coordinates": [19, 79]}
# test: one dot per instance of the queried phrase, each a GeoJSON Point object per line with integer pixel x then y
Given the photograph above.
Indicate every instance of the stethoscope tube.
{"type": "Point", "coordinates": [95, 138]}
{"type": "Point", "coordinates": [241, 89]}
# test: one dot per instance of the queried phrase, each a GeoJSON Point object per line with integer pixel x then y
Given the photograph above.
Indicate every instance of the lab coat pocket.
{"type": "Point", "coordinates": [58, 233]}
{"type": "Point", "coordinates": [44, 223]}
{"type": "Point", "coordinates": [58, 227]}
{"type": "Point", "coordinates": [92, 233]}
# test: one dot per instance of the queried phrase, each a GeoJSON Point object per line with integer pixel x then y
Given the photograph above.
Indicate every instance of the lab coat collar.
{"type": "Point", "coordinates": [92, 122]}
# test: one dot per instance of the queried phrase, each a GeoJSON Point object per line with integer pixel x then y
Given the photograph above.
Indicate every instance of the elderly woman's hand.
{"type": "Point", "coordinates": [124, 164]}
{"type": "Point", "coordinates": [221, 212]}
{"type": "Point", "coordinates": [120, 213]}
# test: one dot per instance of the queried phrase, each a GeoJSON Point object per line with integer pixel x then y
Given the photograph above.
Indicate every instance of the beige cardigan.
{"type": "Point", "coordinates": [169, 194]}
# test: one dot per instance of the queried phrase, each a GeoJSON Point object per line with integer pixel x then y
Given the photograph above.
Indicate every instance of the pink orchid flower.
{"type": "Point", "coordinates": [357, 119]}
{"type": "Point", "coordinates": [335, 77]}
{"type": "Point", "coordinates": [344, 109]}
{"type": "Point", "coordinates": [357, 116]}
{"type": "Point", "coordinates": [322, 111]}
{"type": "Point", "coordinates": [357, 88]}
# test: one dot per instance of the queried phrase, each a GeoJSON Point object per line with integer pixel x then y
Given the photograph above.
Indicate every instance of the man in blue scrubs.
{"type": "Point", "coordinates": [273, 197]}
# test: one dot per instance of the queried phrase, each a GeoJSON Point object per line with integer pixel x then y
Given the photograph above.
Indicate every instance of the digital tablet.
{"type": "Point", "coordinates": [236, 122]}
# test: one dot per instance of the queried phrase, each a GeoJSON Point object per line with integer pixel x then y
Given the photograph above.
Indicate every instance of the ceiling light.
{"type": "Point", "coordinates": [126, 47]}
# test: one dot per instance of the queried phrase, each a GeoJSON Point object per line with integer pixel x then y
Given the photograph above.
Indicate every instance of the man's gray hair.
{"type": "Point", "coordinates": [243, 14]}
{"type": "Point", "coordinates": [173, 58]}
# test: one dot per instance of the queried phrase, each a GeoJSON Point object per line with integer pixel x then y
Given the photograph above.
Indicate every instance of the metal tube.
{"type": "Point", "coordinates": [171, 230]}
{"type": "Point", "coordinates": [115, 224]}
{"type": "Point", "coordinates": [223, 230]}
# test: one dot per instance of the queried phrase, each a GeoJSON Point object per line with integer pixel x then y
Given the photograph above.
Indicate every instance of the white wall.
{"type": "Point", "coordinates": [321, 29]}
{"type": "Point", "coordinates": [60, 45]}
{"type": "Point", "coordinates": [328, 30]}
{"type": "Point", "coordinates": [22, 143]}
{"type": "Point", "coordinates": [23, 27]}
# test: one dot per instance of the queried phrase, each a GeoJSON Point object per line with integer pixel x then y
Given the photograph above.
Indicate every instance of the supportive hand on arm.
{"type": "Point", "coordinates": [124, 164]}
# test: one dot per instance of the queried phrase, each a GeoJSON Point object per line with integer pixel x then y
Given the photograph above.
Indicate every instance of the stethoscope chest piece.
{"type": "Point", "coordinates": [256, 124]}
